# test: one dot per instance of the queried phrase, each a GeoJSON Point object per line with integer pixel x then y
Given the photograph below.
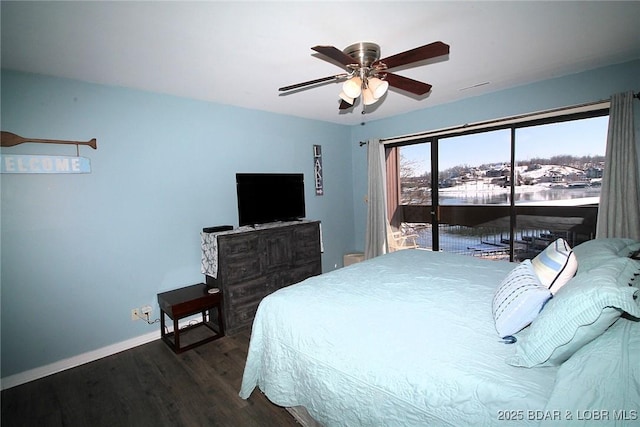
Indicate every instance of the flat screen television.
{"type": "Point", "coordinates": [269, 197]}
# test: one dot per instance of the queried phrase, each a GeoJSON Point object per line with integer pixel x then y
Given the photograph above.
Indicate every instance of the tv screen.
{"type": "Point", "coordinates": [269, 197]}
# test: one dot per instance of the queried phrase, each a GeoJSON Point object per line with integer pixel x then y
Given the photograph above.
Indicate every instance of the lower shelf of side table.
{"type": "Point", "coordinates": [191, 336]}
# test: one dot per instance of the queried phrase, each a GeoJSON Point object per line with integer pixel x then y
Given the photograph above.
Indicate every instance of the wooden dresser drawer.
{"type": "Point", "coordinates": [307, 234]}
{"type": "Point", "coordinates": [241, 317]}
{"type": "Point", "coordinates": [240, 268]}
{"type": "Point", "coordinates": [252, 290]}
{"type": "Point", "coordinates": [238, 244]}
{"type": "Point", "coordinates": [306, 244]}
{"type": "Point", "coordinates": [299, 273]}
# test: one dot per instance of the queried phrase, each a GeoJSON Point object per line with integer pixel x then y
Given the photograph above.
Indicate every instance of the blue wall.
{"type": "Point", "coordinates": [80, 251]}
{"type": "Point", "coordinates": [575, 89]}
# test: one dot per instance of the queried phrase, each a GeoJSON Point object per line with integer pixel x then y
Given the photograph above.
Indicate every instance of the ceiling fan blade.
{"type": "Point", "coordinates": [344, 105]}
{"type": "Point", "coordinates": [421, 53]}
{"type": "Point", "coordinates": [406, 84]}
{"type": "Point", "coordinates": [335, 54]}
{"type": "Point", "coordinates": [311, 82]}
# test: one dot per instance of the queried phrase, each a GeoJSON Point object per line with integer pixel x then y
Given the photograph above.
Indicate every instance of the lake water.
{"type": "Point", "coordinates": [544, 194]}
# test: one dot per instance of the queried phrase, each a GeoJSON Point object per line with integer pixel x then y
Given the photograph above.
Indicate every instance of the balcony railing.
{"type": "Point", "coordinates": [487, 231]}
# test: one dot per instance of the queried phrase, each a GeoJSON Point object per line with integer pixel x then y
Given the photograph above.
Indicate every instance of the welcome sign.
{"type": "Point", "coordinates": [18, 163]}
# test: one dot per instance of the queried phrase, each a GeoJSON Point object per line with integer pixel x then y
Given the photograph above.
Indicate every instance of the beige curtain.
{"type": "Point", "coordinates": [376, 233]}
{"type": "Point", "coordinates": [619, 211]}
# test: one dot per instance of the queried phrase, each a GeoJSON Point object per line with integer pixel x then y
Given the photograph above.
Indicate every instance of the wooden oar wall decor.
{"type": "Point", "coordinates": [8, 139]}
{"type": "Point", "coordinates": [26, 163]}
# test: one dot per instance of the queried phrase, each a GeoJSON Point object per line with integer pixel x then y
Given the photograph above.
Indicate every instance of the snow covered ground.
{"type": "Point", "coordinates": [547, 185]}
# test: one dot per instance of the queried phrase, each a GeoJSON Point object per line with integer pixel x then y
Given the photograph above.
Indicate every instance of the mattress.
{"type": "Point", "coordinates": [407, 339]}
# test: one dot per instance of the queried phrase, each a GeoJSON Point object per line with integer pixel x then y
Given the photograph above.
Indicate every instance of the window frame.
{"type": "Point", "coordinates": [397, 212]}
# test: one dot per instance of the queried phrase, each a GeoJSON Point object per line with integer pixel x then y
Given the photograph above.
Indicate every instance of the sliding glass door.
{"type": "Point", "coordinates": [501, 193]}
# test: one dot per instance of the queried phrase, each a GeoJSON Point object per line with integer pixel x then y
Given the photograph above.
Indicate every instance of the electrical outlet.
{"type": "Point", "coordinates": [135, 314]}
{"type": "Point", "coordinates": [146, 309]}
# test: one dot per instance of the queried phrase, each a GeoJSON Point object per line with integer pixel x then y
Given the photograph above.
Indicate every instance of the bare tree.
{"type": "Point", "coordinates": [408, 168]}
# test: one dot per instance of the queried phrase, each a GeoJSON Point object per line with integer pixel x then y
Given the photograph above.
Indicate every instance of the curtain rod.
{"type": "Point", "coordinates": [490, 122]}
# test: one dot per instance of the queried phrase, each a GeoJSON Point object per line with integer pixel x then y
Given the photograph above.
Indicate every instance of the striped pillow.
{"type": "Point", "coordinates": [518, 300]}
{"type": "Point", "coordinates": [556, 265]}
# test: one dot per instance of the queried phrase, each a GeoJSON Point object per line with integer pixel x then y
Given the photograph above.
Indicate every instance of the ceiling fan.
{"type": "Point", "coordinates": [368, 75]}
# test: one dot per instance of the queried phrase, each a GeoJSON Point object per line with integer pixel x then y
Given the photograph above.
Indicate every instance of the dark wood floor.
{"type": "Point", "coordinates": [147, 386]}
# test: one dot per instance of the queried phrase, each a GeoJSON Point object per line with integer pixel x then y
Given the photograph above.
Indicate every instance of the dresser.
{"type": "Point", "coordinates": [253, 263]}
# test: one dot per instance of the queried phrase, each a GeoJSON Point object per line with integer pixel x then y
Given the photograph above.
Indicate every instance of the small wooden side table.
{"type": "Point", "coordinates": [183, 302]}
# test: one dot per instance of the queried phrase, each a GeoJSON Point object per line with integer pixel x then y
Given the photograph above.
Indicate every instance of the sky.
{"type": "Point", "coordinates": [577, 138]}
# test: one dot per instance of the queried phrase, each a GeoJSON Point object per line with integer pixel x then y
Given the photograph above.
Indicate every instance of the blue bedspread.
{"type": "Point", "coordinates": [406, 339]}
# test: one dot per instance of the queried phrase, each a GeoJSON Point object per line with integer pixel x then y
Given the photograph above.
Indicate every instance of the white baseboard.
{"type": "Point", "coordinates": [81, 359]}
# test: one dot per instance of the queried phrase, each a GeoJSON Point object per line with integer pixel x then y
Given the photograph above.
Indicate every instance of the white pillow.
{"type": "Point", "coordinates": [556, 265]}
{"type": "Point", "coordinates": [518, 299]}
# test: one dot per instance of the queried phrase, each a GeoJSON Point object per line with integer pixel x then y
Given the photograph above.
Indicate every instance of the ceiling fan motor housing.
{"type": "Point", "coordinates": [365, 53]}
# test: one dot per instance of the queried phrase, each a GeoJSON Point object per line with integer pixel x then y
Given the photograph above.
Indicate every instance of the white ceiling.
{"type": "Point", "coordinates": [240, 53]}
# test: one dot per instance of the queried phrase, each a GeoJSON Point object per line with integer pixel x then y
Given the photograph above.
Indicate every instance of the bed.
{"type": "Point", "coordinates": [410, 339]}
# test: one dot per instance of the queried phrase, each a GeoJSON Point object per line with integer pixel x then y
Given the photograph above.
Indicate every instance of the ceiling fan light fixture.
{"type": "Point", "coordinates": [346, 98]}
{"type": "Point", "coordinates": [367, 97]}
{"type": "Point", "coordinates": [378, 87]}
{"type": "Point", "coordinates": [352, 87]}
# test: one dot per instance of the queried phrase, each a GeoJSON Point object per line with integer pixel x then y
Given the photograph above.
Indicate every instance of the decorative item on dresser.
{"type": "Point", "coordinates": [251, 263]}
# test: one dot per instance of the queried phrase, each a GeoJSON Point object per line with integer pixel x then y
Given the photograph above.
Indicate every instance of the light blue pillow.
{"type": "Point", "coordinates": [596, 252]}
{"type": "Point", "coordinates": [629, 249]}
{"type": "Point", "coordinates": [579, 312]}
{"type": "Point", "coordinates": [518, 300]}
